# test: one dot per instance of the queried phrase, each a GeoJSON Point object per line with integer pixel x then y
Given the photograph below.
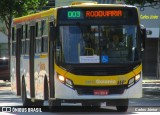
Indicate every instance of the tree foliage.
{"type": "Point", "coordinates": [16, 8]}
{"type": "Point", "coordinates": [141, 2]}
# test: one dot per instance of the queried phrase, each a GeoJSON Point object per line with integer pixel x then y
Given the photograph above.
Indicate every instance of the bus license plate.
{"type": "Point", "coordinates": [101, 92]}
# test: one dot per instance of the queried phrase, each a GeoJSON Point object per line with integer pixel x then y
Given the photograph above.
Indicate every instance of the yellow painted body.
{"type": "Point", "coordinates": [98, 80]}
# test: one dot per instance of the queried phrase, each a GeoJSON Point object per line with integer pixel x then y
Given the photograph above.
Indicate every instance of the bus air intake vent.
{"type": "Point", "coordinates": [99, 70]}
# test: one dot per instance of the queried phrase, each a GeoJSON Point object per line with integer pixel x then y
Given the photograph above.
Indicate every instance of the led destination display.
{"type": "Point", "coordinates": [90, 15]}
{"type": "Point", "coordinates": [105, 13]}
{"type": "Point", "coordinates": [93, 14]}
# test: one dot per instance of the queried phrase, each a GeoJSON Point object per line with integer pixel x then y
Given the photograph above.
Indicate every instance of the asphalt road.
{"type": "Point", "coordinates": [149, 103]}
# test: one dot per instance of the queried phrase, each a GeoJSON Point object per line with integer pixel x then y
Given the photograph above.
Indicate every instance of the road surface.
{"type": "Point", "coordinates": [150, 103]}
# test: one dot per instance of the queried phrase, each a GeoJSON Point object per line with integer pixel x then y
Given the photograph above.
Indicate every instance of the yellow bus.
{"type": "Point", "coordinates": [66, 54]}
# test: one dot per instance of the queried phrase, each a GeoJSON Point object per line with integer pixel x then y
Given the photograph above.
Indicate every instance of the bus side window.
{"type": "Point", "coordinates": [44, 36]}
{"type": "Point", "coordinates": [38, 38]}
{"type": "Point", "coordinates": [45, 44]}
{"type": "Point", "coordinates": [23, 39]}
{"type": "Point", "coordinates": [13, 41]}
{"type": "Point", "coordinates": [27, 39]}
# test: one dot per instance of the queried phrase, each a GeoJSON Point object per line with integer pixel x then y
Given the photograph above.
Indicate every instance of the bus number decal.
{"type": "Point", "coordinates": [74, 14]}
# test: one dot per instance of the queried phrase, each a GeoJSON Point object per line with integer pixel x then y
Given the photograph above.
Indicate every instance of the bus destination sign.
{"type": "Point", "coordinates": [79, 14]}
{"type": "Point", "coordinates": [103, 13]}
{"type": "Point", "coordinates": [107, 15]}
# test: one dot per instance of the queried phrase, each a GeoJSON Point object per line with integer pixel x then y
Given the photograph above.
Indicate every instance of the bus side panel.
{"type": "Point", "coordinates": [41, 65]}
{"type": "Point", "coordinates": [26, 74]}
{"type": "Point", "coordinates": [41, 71]}
{"type": "Point", "coordinates": [13, 74]}
{"type": "Point", "coordinates": [13, 61]}
{"type": "Point", "coordinates": [36, 76]}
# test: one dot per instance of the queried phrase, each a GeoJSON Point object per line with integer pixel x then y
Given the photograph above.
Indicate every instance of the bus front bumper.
{"type": "Point", "coordinates": [64, 92]}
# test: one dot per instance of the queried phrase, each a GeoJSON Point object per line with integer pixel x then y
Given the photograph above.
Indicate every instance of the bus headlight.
{"type": "Point", "coordinates": [61, 78]}
{"type": "Point", "coordinates": [65, 81]}
{"type": "Point", "coordinates": [137, 77]}
{"type": "Point", "coordinates": [133, 80]}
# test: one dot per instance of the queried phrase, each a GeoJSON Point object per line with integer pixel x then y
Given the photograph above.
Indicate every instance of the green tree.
{"type": "Point", "coordinates": [16, 8]}
{"type": "Point", "coordinates": [141, 2]}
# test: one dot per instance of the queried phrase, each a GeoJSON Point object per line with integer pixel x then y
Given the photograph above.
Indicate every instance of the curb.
{"type": "Point", "coordinates": [151, 90]}
{"type": "Point", "coordinates": [155, 93]}
{"type": "Point", "coordinates": [151, 87]}
{"type": "Point", "coordinates": [2, 84]}
{"type": "Point", "coordinates": [150, 81]}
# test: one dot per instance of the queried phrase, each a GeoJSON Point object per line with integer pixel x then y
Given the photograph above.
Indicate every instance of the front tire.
{"type": "Point", "coordinates": [26, 101]}
{"type": "Point", "coordinates": [122, 105]}
{"type": "Point", "coordinates": [54, 104]}
{"type": "Point", "coordinates": [122, 108]}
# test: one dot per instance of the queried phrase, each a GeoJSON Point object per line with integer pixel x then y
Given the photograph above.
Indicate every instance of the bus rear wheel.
{"type": "Point", "coordinates": [122, 108]}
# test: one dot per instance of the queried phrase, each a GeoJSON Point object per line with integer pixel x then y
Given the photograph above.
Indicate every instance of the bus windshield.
{"type": "Point", "coordinates": [97, 44]}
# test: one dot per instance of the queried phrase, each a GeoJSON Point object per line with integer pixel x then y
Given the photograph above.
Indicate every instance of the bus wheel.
{"type": "Point", "coordinates": [25, 101]}
{"type": "Point", "coordinates": [123, 107]}
{"type": "Point", "coordinates": [53, 105]}
{"type": "Point", "coordinates": [38, 103]}
{"type": "Point", "coordinates": [96, 104]}
{"type": "Point", "coordinates": [86, 104]}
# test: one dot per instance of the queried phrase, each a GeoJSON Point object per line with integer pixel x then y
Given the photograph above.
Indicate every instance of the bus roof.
{"type": "Point", "coordinates": [102, 5]}
{"type": "Point", "coordinates": [39, 15]}
{"type": "Point", "coordinates": [49, 12]}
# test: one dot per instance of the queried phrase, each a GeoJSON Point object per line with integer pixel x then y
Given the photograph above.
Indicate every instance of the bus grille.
{"type": "Point", "coordinates": [84, 90]}
{"type": "Point", "coordinates": [99, 70]}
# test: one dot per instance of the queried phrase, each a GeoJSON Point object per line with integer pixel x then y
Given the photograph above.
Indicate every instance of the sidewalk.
{"type": "Point", "coordinates": [3, 83]}
{"type": "Point", "coordinates": [151, 87]}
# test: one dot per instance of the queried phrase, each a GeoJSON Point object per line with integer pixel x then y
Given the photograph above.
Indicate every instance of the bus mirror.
{"type": "Point", "coordinates": [143, 37]}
